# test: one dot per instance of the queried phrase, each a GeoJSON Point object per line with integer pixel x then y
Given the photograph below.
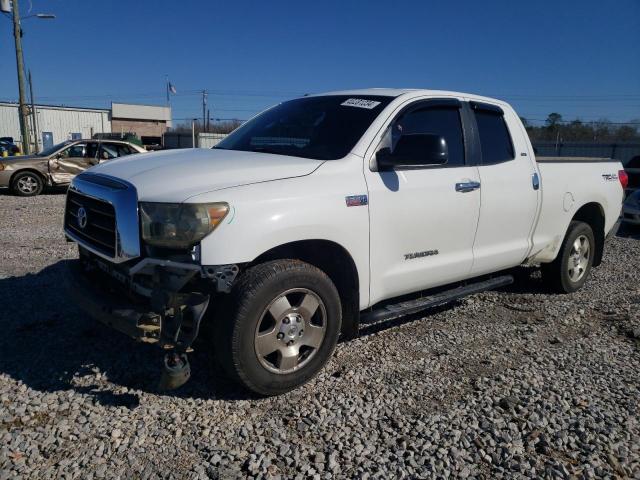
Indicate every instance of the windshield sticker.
{"type": "Point", "coordinates": [360, 103]}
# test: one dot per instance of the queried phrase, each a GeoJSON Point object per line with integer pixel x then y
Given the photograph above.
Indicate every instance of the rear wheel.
{"type": "Point", "coordinates": [27, 184]}
{"type": "Point", "coordinates": [569, 271]}
{"type": "Point", "coordinates": [282, 327]}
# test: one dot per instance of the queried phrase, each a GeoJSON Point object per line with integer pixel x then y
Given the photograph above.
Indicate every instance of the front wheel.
{"type": "Point", "coordinates": [27, 184]}
{"type": "Point", "coordinates": [282, 327]}
{"type": "Point", "coordinates": [569, 271]}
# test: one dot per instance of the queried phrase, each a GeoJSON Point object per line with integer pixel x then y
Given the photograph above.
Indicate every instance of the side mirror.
{"type": "Point", "coordinates": [413, 150]}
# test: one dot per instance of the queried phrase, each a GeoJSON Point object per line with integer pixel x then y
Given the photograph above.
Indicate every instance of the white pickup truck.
{"type": "Point", "coordinates": [324, 213]}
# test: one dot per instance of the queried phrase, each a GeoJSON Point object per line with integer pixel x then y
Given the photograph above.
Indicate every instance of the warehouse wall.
{"type": "Point", "coordinates": [60, 121]}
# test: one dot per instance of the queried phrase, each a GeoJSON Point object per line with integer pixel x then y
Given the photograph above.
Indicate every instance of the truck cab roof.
{"type": "Point", "coordinates": [412, 92]}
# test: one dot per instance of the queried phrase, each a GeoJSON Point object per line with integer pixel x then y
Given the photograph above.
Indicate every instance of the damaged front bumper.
{"type": "Point", "coordinates": [149, 301]}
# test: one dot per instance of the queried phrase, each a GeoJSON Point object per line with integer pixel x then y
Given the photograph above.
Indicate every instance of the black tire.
{"type": "Point", "coordinates": [247, 307]}
{"type": "Point", "coordinates": [558, 275]}
{"type": "Point", "coordinates": [27, 184]}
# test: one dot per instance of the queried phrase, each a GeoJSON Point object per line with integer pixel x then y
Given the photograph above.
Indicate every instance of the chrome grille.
{"type": "Point", "coordinates": [99, 226]}
{"type": "Point", "coordinates": [110, 208]}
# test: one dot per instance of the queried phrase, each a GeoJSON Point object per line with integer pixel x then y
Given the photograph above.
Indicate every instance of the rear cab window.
{"type": "Point", "coordinates": [495, 141]}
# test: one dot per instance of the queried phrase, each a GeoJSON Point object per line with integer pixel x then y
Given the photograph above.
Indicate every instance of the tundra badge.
{"type": "Point", "coordinates": [427, 253]}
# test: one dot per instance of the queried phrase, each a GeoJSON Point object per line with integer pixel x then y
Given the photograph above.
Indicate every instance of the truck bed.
{"type": "Point", "coordinates": [565, 189]}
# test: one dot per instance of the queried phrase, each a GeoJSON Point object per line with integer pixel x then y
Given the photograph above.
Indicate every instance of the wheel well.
{"type": "Point", "coordinates": [31, 170]}
{"type": "Point", "coordinates": [593, 215]}
{"type": "Point", "coordinates": [336, 262]}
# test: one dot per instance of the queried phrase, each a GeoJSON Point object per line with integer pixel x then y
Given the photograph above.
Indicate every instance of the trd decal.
{"type": "Point", "coordinates": [610, 177]}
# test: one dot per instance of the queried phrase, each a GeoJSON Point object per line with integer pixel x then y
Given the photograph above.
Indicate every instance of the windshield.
{"type": "Point", "coordinates": [323, 127]}
{"type": "Point", "coordinates": [52, 150]}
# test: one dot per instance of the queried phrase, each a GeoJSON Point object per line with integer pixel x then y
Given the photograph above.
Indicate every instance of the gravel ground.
{"type": "Point", "coordinates": [508, 384]}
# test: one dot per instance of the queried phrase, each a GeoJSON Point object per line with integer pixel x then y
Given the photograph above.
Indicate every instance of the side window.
{"type": "Point", "coordinates": [75, 151]}
{"type": "Point", "coordinates": [108, 151]}
{"type": "Point", "coordinates": [495, 140]}
{"type": "Point", "coordinates": [442, 121]}
{"type": "Point", "coordinates": [124, 150]}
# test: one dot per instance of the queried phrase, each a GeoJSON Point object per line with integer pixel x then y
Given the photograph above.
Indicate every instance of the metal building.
{"type": "Point", "coordinates": [143, 120]}
{"type": "Point", "coordinates": [55, 124]}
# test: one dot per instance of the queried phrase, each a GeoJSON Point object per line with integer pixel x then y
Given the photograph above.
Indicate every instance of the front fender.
{"type": "Point", "coordinates": [267, 215]}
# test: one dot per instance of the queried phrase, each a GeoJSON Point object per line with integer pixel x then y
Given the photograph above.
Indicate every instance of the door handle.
{"type": "Point", "coordinates": [535, 181]}
{"type": "Point", "coordinates": [467, 186]}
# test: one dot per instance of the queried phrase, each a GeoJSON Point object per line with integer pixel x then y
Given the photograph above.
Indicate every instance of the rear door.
{"type": "Point", "coordinates": [509, 193]}
{"type": "Point", "coordinates": [109, 151]}
{"type": "Point", "coordinates": [421, 226]}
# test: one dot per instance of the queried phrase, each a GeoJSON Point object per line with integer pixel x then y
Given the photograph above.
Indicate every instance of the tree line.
{"type": "Point", "coordinates": [556, 129]}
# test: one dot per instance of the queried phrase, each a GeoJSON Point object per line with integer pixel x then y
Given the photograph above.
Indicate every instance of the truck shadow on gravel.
{"type": "Point", "coordinates": [49, 345]}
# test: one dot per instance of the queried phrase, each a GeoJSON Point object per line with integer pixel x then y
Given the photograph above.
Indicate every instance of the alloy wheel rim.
{"type": "Point", "coordinates": [290, 331]}
{"type": "Point", "coordinates": [27, 184]}
{"type": "Point", "coordinates": [578, 258]}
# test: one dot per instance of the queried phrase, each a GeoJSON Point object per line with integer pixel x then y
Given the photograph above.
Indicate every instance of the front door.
{"type": "Point", "coordinates": [422, 227]}
{"type": "Point", "coordinates": [71, 161]}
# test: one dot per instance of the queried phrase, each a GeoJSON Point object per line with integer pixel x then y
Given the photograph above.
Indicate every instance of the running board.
{"type": "Point", "coordinates": [409, 307]}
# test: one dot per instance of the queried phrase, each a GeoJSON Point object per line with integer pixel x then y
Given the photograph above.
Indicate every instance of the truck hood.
{"type": "Point", "coordinates": [176, 175]}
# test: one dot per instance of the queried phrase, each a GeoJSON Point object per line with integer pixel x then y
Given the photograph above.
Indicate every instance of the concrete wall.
{"type": "Point", "coordinates": [141, 112]}
{"type": "Point", "coordinates": [184, 140]}
{"type": "Point", "coordinates": [208, 140]}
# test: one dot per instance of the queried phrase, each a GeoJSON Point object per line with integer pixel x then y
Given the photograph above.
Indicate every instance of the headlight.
{"type": "Point", "coordinates": [179, 225]}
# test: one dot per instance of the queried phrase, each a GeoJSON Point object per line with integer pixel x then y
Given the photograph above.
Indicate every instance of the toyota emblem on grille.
{"type": "Point", "coordinates": [82, 217]}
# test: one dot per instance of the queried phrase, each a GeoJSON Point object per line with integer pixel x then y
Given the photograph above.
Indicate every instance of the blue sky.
{"type": "Point", "coordinates": [579, 58]}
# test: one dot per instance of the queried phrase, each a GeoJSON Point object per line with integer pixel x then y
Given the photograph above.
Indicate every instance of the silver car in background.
{"type": "Point", "coordinates": [27, 175]}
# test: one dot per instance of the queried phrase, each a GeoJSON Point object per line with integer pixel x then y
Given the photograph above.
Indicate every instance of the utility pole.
{"type": "Point", "coordinates": [17, 35]}
{"type": "Point", "coordinates": [204, 108]}
{"type": "Point", "coordinates": [34, 114]}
